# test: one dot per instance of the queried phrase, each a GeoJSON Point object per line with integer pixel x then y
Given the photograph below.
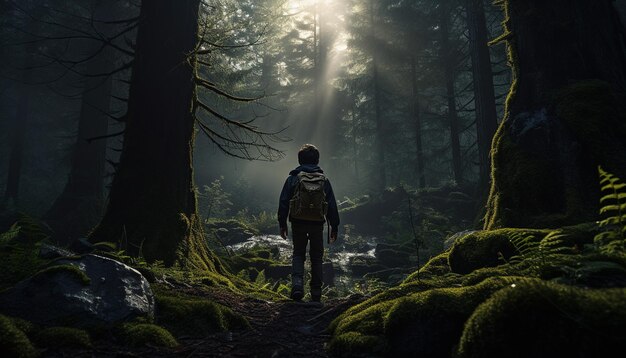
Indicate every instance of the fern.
{"type": "Point", "coordinates": [613, 209]}
{"type": "Point", "coordinates": [527, 247]}
{"type": "Point", "coordinates": [12, 234]}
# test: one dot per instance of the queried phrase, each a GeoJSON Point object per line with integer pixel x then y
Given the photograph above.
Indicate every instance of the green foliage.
{"type": "Point", "coordinates": [13, 342]}
{"type": "Point", "coordinates": [530, 251]}
{"type": "Point", "coordinates": [613, 208]}
{"type": "Point", "coordinates": [265, 223]}
{"type": "Point", "coordinates": [143, 334]}
{"type": "Point", "coordinates": [19, 249]}
{"type": "Point", "coordinates": [213, 200]}
{"type": "Point", "coordinates": [261, 281]}
{"type": "Point", "coordinates": [63, 337]}
{"type": "Point", "coordinates": [10, 235]}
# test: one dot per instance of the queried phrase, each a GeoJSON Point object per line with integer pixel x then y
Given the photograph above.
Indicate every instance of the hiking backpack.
{"type": "Point", "coordinates": [309, 198]}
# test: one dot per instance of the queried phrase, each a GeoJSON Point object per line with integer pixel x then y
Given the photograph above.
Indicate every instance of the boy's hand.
{"type": "Point", "coordinates": [284, 232]}
{"type": "Point", "coordinates": [333, 237]}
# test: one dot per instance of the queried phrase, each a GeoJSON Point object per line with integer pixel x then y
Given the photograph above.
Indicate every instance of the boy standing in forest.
{"type": "Point", "coordinates": [307, 200]}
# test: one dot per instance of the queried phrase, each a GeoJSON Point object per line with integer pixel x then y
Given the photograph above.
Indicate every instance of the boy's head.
{"type": "Point", "coordinates": [308, 154]}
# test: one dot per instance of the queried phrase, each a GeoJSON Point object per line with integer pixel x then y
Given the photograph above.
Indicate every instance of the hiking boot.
{"type": "Point", "coordinates": [297, 293]}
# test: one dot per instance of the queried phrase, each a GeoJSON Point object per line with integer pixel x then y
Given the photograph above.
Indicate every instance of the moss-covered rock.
{"type": "Point", "coordinates": [428, 324]}
{"type": "Point", "coordinates": [230, 231]}
{"type": "Point", "coordinates": [63, 337]}
{"type": "Point", "coordinates": [184, 315]}
{"type": "Point", "coordinates": [413, 319]}
{"type": "Point", "coordinates": [13, 342]}
{"type": "Point", "coordinates": [142, 334]}
{"type": "Point", "coordinates": [543, 319]}
{"type": "Point", "coordinates": [486, 248]}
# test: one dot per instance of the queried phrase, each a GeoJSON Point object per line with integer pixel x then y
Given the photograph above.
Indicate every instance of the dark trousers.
{"type": "Point", "coordinates": [302, 235]}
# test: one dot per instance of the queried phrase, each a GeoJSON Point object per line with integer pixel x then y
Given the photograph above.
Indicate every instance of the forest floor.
{"type": "Point", "coordinates": [278, 329]}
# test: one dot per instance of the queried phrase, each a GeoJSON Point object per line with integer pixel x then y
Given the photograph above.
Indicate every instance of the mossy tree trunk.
{"type": "Point", "coordinates": [152, 207]}
{"type": "Point", "coordinates": [565, 113]}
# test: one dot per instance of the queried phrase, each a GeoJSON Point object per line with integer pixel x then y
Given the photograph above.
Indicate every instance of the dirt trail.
{"type": "Point", "coordinates": [279, 329]}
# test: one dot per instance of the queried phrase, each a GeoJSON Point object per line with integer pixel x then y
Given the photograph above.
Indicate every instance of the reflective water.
{"type": "Point", "coordinates": [341, 254]}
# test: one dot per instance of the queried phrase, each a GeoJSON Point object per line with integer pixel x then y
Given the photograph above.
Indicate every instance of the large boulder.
{"type": "Point", "coordinates": [230, 232]}
{"type": "Point", "coordinates": [85, 291]}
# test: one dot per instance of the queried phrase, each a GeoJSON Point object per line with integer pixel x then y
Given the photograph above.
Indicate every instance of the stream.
{"type": "Point", "coordinates": [342, 254]}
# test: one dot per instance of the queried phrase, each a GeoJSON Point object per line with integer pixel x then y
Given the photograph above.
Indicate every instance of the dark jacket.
{"type": "Point", "coordinates": [285, 196]}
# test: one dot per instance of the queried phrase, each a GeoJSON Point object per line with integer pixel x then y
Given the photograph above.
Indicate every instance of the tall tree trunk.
{"type": "Point", "coordinates": [152, 203]}
{"type": "Point", "coordinates": [14, 173]}
{"type": "Point", "coordinates": [415, 110]}
{"type": "Point", "coordinates": [80, 205]}
{"type": "Point", "coordinates": [450, 77]}
{"type": "Point", "coordinates": [380, 130]}
{"type": "Point", "coordinates": [355, 143]}
{"type": "Point", "coordinates": [565, 114]}
{"type": "Point", "coordinates": [484, 97]}
{"type": "Point", "coordinates": [11, 199]}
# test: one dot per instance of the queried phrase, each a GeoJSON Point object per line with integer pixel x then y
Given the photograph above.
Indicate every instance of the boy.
{"type": "Point", "coordinates": [307, 199]}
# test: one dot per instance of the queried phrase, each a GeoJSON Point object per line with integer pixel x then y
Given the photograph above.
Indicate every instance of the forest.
{"type": "Point", "coordinates": [476, 150]}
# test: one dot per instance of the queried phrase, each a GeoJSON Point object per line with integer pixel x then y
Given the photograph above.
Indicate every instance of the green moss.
{"type": "Point", "coordinates": [74, 271]}
{"type": "Point", "coordinates": [63, 337]}
{"type": "Point", "coordinates": [486, 248]}
{"type": "Point", "coordinates": [428, 324]}
{"type": "Point", "coordinates": [436, 266]}
{"type": "Point", "coordinates": [142, 334]}
{"type": "Point", "coordinates": [494, 208]}
{"type": "Point", "coordinates": [13, 342]}
{"type": "Point", "coordinates": [368, 321]}
{"type": "Point", "coordinates": [19, 261]}
{"type": "Point", "coordinates": [184, 315]}
{"type": "Point", "coordinates": [479, 275]}
{"type": "Point", "coordinates": [424, 322]}
{"type": "Point", "coordinates": [573, 322]}
{"type": "Point", "coordinates": [353, 344]}
{"type": "Point", "coordinates": [350, 317]}
{"type": "Point", "coordinates": [25, 326]}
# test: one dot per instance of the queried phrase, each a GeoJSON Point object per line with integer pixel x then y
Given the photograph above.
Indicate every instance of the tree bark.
{"type": "Point", "coordinates": [565, 114]}
{"type": "Point", "coordinates": [80, 205]}
{"type": "Point", "coordinates": [380, 134]}
{"type": "Point", "coordinates": [152, 204]}
{"type": "Point", "coordinates": [450, 76]}
{"type": "Point", "coordinates": [415, 109]}
{"type": "Point", "coordinates": [484, 97]}
{"type": "Point", "coordinates": [14, 173]}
